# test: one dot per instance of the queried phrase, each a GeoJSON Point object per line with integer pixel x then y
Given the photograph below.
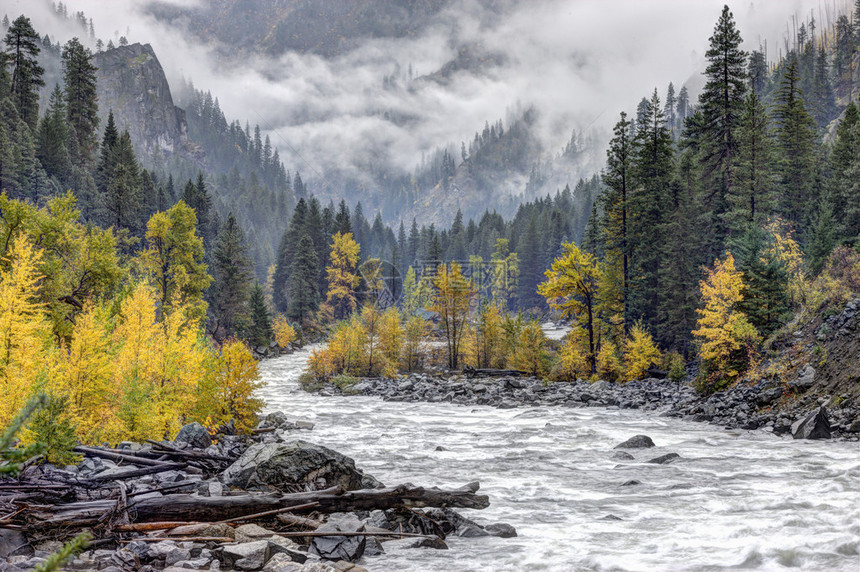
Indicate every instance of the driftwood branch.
{"type": "Point", "coordinates": [188, 508]}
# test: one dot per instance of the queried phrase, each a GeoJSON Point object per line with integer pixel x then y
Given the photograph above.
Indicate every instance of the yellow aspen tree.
{"type": "Point", "coordinates": [24, 329]}
{"type": "Point", "coordinates": [371, 271]}
{"type": "Point", "coordinates": [723, 331]}
{"type": "Point", "coordinates": [608, 363]}
{"type": "Point", "coordinates": [411, 299]}
{"type": "Point", "coordinates": [391, 337]}
{"type": "Point", "coordinates": [414, 336]}
{"type": "Point", "coordinates": [85, 375]}
{"type": "Point", "coordinates": [342, 276]}
{"type": "Point", "coordinates": [452, 300]}
{"type": "Point", "coordinates": [505, 274]}
{"type": "Point", "coordinates": [639, 353]}
{"type": "Point", "coordinates": [572, 287]}
{"type": "Point", "coordinates": [137, 366]}
{"type": "Point", "coordinates": [489, 349]}
{"type": "Point", "coordinates": [182, 368]}
{"type": "Point", "coordinates": [371, 320]}
{"type": "Point", "coordinates": [173, 260]}
{"type": "Point", "coordinates": [573, 360]}
{"type": "Point", "coordinates": [238, 379]}
{"type": "Point", "coordinates": [531, 354]}
{"type": "Point", "coordinates": [788, 251]}
{"type": "Point", "coordinates": [284, 332]}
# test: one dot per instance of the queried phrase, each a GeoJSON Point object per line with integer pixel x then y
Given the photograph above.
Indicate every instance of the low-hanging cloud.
{"type": "Point", "coordinates": [578, 62]}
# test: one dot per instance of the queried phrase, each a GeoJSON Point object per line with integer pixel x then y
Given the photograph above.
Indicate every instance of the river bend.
{"type": "Point", "coordinates": [736, 500]}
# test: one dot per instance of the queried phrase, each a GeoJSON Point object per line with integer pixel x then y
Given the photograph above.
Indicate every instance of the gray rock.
{"type": "Point", "coordinates": [349, 548]}
{"type": "Point", "coordinates": [283, 465]}
{"type": "Point", "coordinates": [246, 556]}
{"type": "Point", "coordinates": [768, 396]}
{"type": "Point", "coordinates": [434, 542]}
{"type": "Point", "coordinates": [637, 442]}
{"type": "Point", "coordinates": [160, 550]}
{"type": "Point", "coordinates": [177, 555]}
{"type": "Point", "coordinates": [664, 459]}
{"type": "Point", "coordinates": [816, 425]}
{"type": "Point", "coordinates": [805, 379]}
{"type": "Point", "coordinates": [13, 542]}
{"type": "Point", "coordinates": [282, 563]}
{"type": "Point", "coordinates": [623, 455]}
{"type": "Point", "coordinates": [501, 529]}
{"type": "Point", "coordinates": [195, 435]}
{"type": "Point", "coordinates": [131, 81]}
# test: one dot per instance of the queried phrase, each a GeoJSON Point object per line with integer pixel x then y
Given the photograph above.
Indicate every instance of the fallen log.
{"type": "Point", "coordinates": [90, 452]}
{"type": "Point", "coordinates": [173, 451]}
{"type": "Point", "coordinates": [220, 539]}
{"type": "Point", "coordinates": [294, 520]}
{"type": "Point", "coordinates": [189, 508]}
{"type": "Point", "coordinates": [160, 468]}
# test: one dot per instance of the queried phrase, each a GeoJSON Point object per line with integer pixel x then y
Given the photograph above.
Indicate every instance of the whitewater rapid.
{"type": "Point", "coordinates": [735, 500]}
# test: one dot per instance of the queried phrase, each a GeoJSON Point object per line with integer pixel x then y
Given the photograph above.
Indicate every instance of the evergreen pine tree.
{"type": "Point", "coordinates": [531, 269]}
{"type": "Point", "coordinates": [845, 182]}
{"type": "Point", "coordinates": [342, 219]}
{"type": "Point", "coordinates": [652, 168]}
{"type": "Point", "coordinates": [231, 286]}
{"type": "Point", "coordinates": [51, 140]}
{"type": "Point", "coordinates": [22, 49]}
{"type": "Point", "coordinates": [286, 255]}
{"type": "Point", "coordinates": [304, 296]}
{"type": "Point", "coordinates": [105, 165]}
{"type": "Point", "coordinates": [721, 103]}
{"type": "Point", "coordinates": [121, 201]}
{"type": "Point", "coordinates": [765, 280]}
{"type": "Point", "coordinates": [79, 77]}
{"type": "Point", "coordinates": [614, 202]}
{"type": "Point", "coordinates": [260, 329]}
{"type": "Point", "coordinates": [751, 197]}
{"type": "Point", "coordinates": [796, 141]}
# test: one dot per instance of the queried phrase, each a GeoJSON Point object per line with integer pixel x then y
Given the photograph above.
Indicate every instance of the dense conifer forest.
{"type": "Point", "coordinates": [711, 223]}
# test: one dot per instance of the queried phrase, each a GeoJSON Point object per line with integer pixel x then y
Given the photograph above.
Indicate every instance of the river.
{"type": "Point", "coordinates": [736, 500]}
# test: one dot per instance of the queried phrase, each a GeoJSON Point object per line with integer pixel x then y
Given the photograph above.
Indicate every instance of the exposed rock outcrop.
{"type": "Point", "coordinates": [131, 82]}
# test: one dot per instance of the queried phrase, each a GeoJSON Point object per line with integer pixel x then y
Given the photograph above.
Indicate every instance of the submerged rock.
{"type": "Point", "coordinates": [663, 459]}
{"type": "Point", "coordinates": [637, 442]}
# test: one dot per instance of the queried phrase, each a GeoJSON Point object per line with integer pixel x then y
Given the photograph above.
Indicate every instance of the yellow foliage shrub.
{"type": "Point", "coordinates": [238, 379]}
{"type": "Point", "coordinates": [24, 329]}
{"type": "Point", "coordinates": [573, 359]}
{"type": "Point", "coordinates": [609, 365]}
{"type": "Point", "coordinates": [284, 331]}
{"type": "Point", "coordinates": [640, 353]}
{"type": "Point", "coordinates": [531, 355]}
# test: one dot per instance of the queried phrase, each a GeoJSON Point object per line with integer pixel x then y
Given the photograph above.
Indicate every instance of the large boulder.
{"type": "Point", "coordinates": [636, 442]}
{"type": "Point", "coordinates": [805, 379]}
{"type": "Point", "coordinates": [816, 425]}
{"type": "Point", "coordinates": [195, 435]}
{"type": "Point", "coordinates": [284, 465]}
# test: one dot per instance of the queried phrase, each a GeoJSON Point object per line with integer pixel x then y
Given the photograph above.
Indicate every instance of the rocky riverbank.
{"type": "Point", "coordinates": [271, 501]}
{"type": "Point", "coordinates": [771, 406]}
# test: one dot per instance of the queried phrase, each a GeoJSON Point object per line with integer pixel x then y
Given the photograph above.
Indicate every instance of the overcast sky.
{"type": "Point", "coordinates": [579, 62]}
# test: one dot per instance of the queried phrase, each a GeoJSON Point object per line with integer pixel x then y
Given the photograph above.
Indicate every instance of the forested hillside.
{"type": "Point", "coordinates": [711, 224]}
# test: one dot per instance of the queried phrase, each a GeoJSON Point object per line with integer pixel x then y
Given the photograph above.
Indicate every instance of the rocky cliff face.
{"type": "Point", "coordinates": [131, 82]}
